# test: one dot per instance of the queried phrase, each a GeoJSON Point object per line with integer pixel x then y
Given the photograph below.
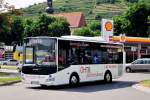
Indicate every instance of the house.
{"type": "Point", "coordinates": [75, 19]}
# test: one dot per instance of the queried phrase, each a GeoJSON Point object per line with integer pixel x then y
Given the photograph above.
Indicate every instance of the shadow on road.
{"type": "Point", "coordinates": [141, 72]}
{"type": "Point", "coordinates": [89, 87]}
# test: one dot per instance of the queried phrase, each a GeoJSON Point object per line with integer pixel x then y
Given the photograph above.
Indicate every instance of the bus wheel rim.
{"type": "Point", "coordinates": [107, 77]}
{"type": "Point", "coordinates": [74, 80]}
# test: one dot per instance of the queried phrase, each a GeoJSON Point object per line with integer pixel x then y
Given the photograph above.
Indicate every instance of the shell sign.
{"type": "Point", "coordinates": [122, 38]}
{"type": "Point", "coordinates": [108, 26]}
{"type": "Point", "coordinates": [107, 29]}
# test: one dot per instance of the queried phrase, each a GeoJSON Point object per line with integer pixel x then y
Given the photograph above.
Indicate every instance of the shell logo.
{"type": "Point", "coordinates": [108, 26]}
{"type": "Point", "coordinates": [123, 38]}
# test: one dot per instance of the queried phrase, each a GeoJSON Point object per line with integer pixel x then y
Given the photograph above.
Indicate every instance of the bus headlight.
{"type": "Point", "coordinates": [50, 78]}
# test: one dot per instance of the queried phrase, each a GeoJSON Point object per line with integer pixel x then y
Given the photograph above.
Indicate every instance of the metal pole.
{"type": "Point", "coordinates": [133, 55]}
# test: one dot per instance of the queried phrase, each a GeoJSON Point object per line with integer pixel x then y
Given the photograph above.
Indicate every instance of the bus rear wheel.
{"type": "Point", "coordinates": [108, 77]}
{"type": "Point", "coordinates": [74, 80]}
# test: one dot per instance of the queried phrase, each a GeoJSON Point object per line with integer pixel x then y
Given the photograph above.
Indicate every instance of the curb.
{"type": "Point", "coordinates": [9, 71]}
{"type": "Point", "coordinates": [141, 88]}
{"type": "Point", "coordinates": [5, 84]}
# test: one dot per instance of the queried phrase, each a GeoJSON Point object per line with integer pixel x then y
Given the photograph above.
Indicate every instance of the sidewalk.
{"type": "Point", "coordinates": [141, 88]}
{"type": "Point", "coordinates": [9, 71]}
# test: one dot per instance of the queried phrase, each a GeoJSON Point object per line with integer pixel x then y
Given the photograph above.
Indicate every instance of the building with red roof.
{"type": "Point", "coordinates": [75, 19]}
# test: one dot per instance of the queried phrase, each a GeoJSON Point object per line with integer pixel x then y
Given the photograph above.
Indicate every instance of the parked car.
{"type": "Point", "coordinates": [139, 64]}
{"type": "Point", "coordinates": [2, 62]}
{"type": "Point", "coordinates": [11, 62]}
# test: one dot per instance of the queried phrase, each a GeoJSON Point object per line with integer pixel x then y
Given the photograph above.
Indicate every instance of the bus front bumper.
{"type": "Point", "coordinates": [38, 80]}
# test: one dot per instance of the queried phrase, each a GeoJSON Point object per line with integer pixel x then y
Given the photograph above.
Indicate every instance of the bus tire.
{"type": "Point", "coordinates": [108, 77]}
{"type": "Point", "coordinates": [44, 86]}
{"type": "Point", "coordinates": [74, 80]}
{"type": "Point", "coordinates": [128, 70]}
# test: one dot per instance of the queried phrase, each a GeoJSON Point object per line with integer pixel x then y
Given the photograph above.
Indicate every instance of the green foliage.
{"type": "Point", "coordinates": [27, 28]}
{"type": "Point", "coordinates": [59, 28]}
{"type": "Point", "coordinates": [10, 27]}
{"type": "Point", "coordinates": [46, 26]}
{"type": "Point", "coordinates": [105, 1]}
{"type": "Point", "coordinates": [6, 80]}
{"type": "Point", "coordinates": [95, 25]}
{"type": "Point", "coordinates": [121, 25]}
{"type": "Point", "coordinates": [17, 28]}
{"type": "Point", "coordinates": [134, 22]}
{"type": "Point", "coordinates": [5, 27]}
{"type": "Point", "coordinates": [149, 25]}
{"type": "Point", "coordinates": [144, 1]}
{"type": "Point", "coordinates": [85, 31]}
{"type": "Point", "coordinates": [93, 29]}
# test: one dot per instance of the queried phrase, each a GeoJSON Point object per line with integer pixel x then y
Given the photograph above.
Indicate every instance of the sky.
{"type": "Point", "coordinates": [23, 3]}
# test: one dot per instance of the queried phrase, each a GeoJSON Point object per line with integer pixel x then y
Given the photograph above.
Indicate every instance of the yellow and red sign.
{"type": "Point", "coordinates": [108, 26]}
{"type": "Point", "coordinates": [107, 29]}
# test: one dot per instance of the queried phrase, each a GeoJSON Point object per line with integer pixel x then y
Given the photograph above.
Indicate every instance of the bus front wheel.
{"type": "Point", "coordinates": [74, 79]}
{"type": "Point", "coordinates": [108, 77]}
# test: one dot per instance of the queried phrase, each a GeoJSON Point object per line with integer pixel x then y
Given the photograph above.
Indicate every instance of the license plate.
{"type": "Point", "coordinates": [35, 82]}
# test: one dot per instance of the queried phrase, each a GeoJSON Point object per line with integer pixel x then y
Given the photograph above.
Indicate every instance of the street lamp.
{"type": "Point", "coordinates": [49, 9]}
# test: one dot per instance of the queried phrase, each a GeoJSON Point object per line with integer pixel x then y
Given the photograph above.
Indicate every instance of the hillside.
{"type": "Point", "coordinates": [91, 8]}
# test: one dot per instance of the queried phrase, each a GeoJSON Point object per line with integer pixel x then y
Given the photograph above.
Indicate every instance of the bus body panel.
{"type": "Point", "coordinates": [86, 73]}
{"type": "Point", "coordinates": [49, 56]}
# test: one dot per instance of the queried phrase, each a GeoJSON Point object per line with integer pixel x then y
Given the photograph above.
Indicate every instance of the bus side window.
{"type": "Point", "coordinates": [87, 57]}
{"type": "Point", "coordinates": [74, 56]}
{"type": "Point", "coordinates": [62, 57]}
{"type": "Point", "coordinates": [96, 57]}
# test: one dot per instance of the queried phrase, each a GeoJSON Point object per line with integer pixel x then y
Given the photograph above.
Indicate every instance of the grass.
{"type": "Point", "coordinates": [146, 83]}
{"type": "Point", "coordinates": [7, 80]}
{"type": "Point", "coordinates": [3, 74]}
{"type": "Point", "coordinates": [9, 67]}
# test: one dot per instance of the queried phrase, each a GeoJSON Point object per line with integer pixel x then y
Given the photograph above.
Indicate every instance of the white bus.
{"type": "Point", "coordinates": [70, 60]}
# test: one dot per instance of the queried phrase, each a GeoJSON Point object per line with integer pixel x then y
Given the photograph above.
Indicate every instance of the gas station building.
{"type": "Point", "coordinates": [135, 47]}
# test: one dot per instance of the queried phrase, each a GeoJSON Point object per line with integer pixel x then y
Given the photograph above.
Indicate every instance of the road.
{"type": "Point", "coordinates": [120, 89]}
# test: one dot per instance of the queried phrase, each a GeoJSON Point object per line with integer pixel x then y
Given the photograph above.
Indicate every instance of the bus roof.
{"type": "Point", "coordinates": [97, 39]}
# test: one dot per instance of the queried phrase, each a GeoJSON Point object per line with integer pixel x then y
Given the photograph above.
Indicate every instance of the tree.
{"type": "Point", "coordinates": [134, 22]}
{"type": "Point", "coordinates": [92, 29]}
{"type": "Point", "coordinates": [138, 17]}
{"type": "Point", "coordinates": [95, 25]}
{"type": "Point", "coordinates": [5, 27]}
{"type": "Point", "coordinates": [46, 26]}
{"type": "Point", "coordinates": [14, 29]}
{"type": "Point", "coordinates": [28, 28]}
{"type": "Point", "coordinates": [122, 26]}
{"type": "Point", "coordinates": [11, 28]}
{"type": "Point", "coordinates": [85, 31]}
{"type": "Point", "coordinates": [17, 30]}
{"type": "Point", "coordinates": [59, 28]}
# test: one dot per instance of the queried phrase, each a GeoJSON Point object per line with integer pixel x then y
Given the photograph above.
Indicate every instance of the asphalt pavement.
{"type": "Point", "coordinates": [120, 89]}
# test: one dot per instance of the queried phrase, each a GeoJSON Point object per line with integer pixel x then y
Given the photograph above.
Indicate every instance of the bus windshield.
{"type": "Point", "coordinates": [40, 51]}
